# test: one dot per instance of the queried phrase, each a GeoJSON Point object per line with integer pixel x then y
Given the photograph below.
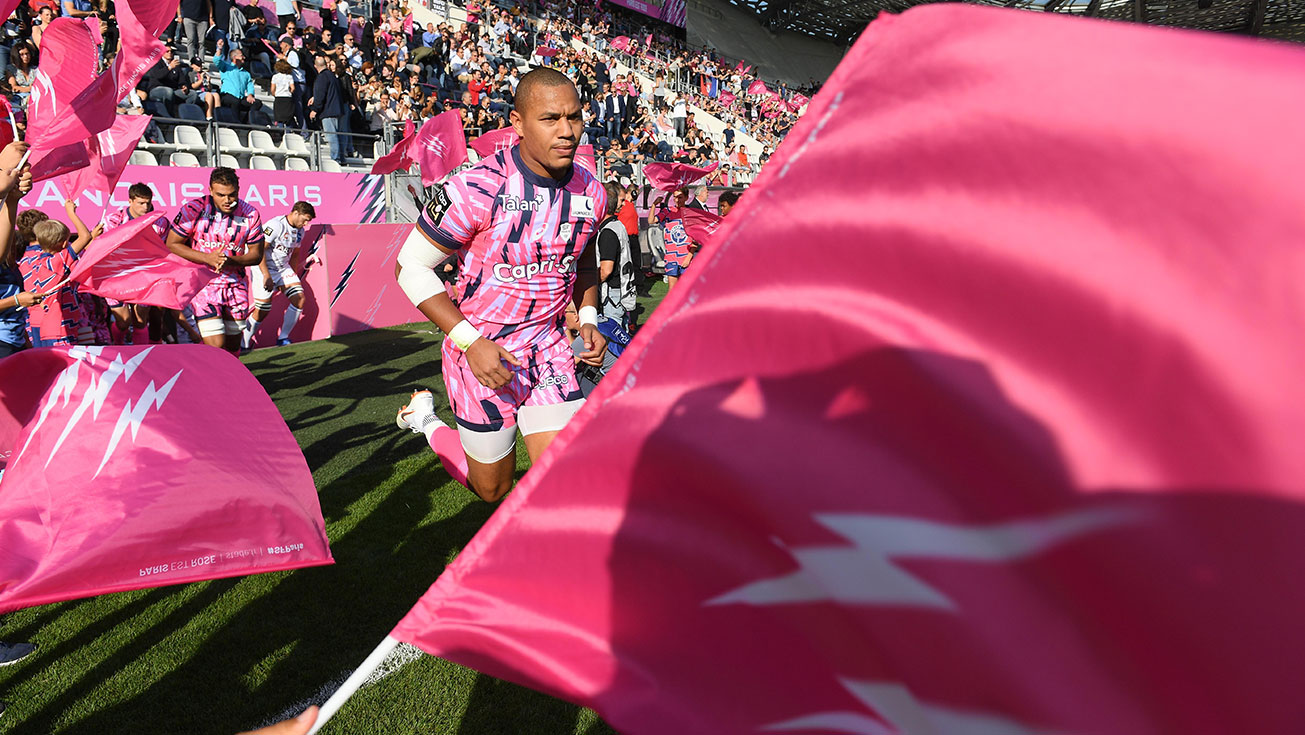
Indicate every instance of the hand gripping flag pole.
{"type": "Point", "coordinates": [354, 682]}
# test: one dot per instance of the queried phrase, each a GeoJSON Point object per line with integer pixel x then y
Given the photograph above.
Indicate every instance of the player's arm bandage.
{"type": "Point", "coordinates": [418, 260]}
{"type": "Point", "coordinates": [588, 315]}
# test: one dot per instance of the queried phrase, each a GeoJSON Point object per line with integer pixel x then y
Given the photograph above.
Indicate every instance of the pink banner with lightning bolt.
{"type": "Point", "coordinates": [135, 467]}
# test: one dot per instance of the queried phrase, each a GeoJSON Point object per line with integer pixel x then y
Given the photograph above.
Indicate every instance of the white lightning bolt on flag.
{"type": "Point", "coordinates": [132, 416]}
{"type": "Point", "coordinates": [63, 387]}
{"type": "Point", "coordinates": [865, 573]}
{"type": "Point", "coordinates": [97, 392]}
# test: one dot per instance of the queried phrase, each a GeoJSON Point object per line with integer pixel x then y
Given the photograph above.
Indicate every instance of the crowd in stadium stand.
{"type": "Point", "coordinates": [358, 74]}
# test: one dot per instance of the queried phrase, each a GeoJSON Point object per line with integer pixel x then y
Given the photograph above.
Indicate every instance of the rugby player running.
{"type": "Point", "coordinates": [520, 224]}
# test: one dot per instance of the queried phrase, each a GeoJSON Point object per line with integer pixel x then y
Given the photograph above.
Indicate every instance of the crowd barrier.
{"type": "Point", "coordinates": [352, 288]}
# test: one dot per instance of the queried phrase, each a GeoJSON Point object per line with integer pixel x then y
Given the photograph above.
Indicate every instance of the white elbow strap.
{"type": "Point", "coordinates": [588, 315]}
{"type": "Point", "coordinates": [418, 259]}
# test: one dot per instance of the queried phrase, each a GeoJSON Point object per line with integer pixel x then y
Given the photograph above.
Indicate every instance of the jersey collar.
{"type": "Point", "coordinates": [536, 179]}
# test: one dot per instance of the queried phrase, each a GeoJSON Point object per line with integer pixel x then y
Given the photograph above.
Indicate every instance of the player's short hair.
{"type": "Point", "coordinates": [729, 197]}
{"type": "Point", "coordinates": [28, 219]}
{"type": "Point", "coordinates": [225, 176]}
{"type": "Point", "coordinates": [540, 77]}
{"type": "Point", "coordinates": [51, 235]}
{"type": "Point", "coordinates": [304, 208]}
{"type": "Point", "coordinates": [613, 196]}
{"type": "Point", "coordinates": [140, 191]}
{"type": "Point", "coordinates": [684, 189]}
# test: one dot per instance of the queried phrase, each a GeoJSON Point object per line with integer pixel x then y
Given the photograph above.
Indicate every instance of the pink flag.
{"type": "Point", "coordinates": [648, 41]}
{"type": "Point", "coordinates": [700, 224]}
{"type": "Point", "coordinates": [407, 25]}
{"type": "Point", "coordinates": [131, 263]}
{"type": "Point", "coordinates": [93, 25]}
{"type": "Point", "coordinates": [93, 108]}
{"type": "Point", "coordinates": [134, 467]}
{"type": "Point", "coordinates": [671, 176]}
{"type": "Point", "coordinates": [757, 87]}
{"type": "Point", "coordinates": [584, 158]}
{"type": "Point", "coordinates": [440, 146]}
{"type": "Point", "coordinates": [545, 52]}
{"type": "Point", "coordinates": [107, 156]}
{"type": "Point", "coordinates": [8, 127]}
{"type": "Point", "coordinates": [67, 66]}
{"type": "Point", "coordinates": [727, 99]}
{"type": "Point", "coordinates": [495, 141]}
{"type": "Point", "coordinates": [798, 102]}
{"type": "Point", "coordinates": [398, 157]}
{"type": "Point", "coordinates": [621, 43]}
{"type": "Point", "coordinates": [1032, 462]}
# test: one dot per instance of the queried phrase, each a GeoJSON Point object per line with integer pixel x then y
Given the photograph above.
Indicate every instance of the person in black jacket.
{"type": "Point", "coordinates": [328, 106]}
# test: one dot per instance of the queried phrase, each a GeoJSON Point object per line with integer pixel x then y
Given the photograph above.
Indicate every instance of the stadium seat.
{"type": "Point", "coordinates": [229, 142]}
{"type": "Point", "coordinates": [183, 159]}
{"type": "Point", "coordinates": [261, 163]}
{"type": "Point", "coordinates": [261, 141]}
{"type": "Point", "coordinates": [228, 160]}
{"type": "Point", "coordinates": [330, 166]}
{"type": "Point", "coordinates": [294, 143]}
{"type": "Point", "coordinates": [296, 164]}
{"type": "Point", "coordinates": [143, 158]}
{"type": "Point", "coordinates": [188, 111]}
{"type": "Point", "coordinates": [188, 138]}
{"type": "Point", "coordinates": [225, 115]}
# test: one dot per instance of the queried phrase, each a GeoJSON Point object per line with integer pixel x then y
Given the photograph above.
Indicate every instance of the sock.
{"type": "Point", "coordinates": [288, 323]}
{"type": "Point", "coordinates": [448, 445]}
{"type": "Point", "coordinates": [247, 334]}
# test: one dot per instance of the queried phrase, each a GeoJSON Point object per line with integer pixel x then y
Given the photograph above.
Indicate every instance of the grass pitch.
{"type": "Point", "coordinates": [228, 655]}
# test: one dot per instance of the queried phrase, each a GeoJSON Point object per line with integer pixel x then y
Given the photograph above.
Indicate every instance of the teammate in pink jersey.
{"type": "Point", "coordinates": [520, 225]}
{"type": "Point", "coordinates": [225, 234]}
{"type": "Point", "coordinates": [130, 321]}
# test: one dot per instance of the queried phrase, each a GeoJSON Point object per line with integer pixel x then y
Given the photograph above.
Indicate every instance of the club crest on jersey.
{"type": "Point", "coordinates": [508, 273]}
{"type": "Point", "coordinates": [517, 204]}
{"type": "Point", "coordinates": [439, 204]}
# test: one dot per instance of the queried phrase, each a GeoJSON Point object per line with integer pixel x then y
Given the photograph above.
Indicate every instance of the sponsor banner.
{"type": "Point", "coordinates": [667, 11]}
{"type": "Point", "coordinates": [350, 288]}
{"type": "Point", "coordinates": [344, 198]}
{"type": "Point", "coordinates": [360, 266]}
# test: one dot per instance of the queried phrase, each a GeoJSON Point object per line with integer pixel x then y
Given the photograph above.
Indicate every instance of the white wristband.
{"type": "Point", "coordinates": [464, 334]}
{"type": "Point", "coordinates": [588, 315]}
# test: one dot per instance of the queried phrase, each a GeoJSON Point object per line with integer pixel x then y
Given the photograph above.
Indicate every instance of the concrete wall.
{"type": "Point", "coordinates": [735, 32]}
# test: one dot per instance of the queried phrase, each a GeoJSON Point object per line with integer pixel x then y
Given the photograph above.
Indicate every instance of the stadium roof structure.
{"type": "Point", "coordinates": [843, 20]}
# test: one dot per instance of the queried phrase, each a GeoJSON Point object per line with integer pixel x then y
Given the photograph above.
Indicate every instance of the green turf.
{"type": "Point", "coordinates": [222, 656]}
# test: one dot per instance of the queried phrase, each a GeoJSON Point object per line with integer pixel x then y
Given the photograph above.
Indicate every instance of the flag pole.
{"type": "Point", "coordinates": [354, 682]}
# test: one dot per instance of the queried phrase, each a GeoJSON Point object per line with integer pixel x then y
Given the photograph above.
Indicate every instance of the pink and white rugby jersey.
{"type": "Point", "coordinates": [208, 230]}
{"type": "Point", "coordinates": [122, 216]}
{"type": "Point", "coordinates": [519, 237]}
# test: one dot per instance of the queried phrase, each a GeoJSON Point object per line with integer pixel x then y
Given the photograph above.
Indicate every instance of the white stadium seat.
{"type": "Point", "coordinates": [229, 142]}
{"type": "Point", "coordinates": [295, 143]}
{"type": "Point", "coordinates": [330, 166]}
{"type": "Point", "coordinates": [293, 163]}
{"type": "Point", "coordinates": [188, 137]}
{"type": "Point", "coordinates": [261, 163]}
{"type": "Point", "coordinates": [143, 158]}
{"type": "Point", "coordinates": [261, 141]}
{"type": "Point", "coordinates": [183, 159]}
{"type": "Point", "coordinates": [228, 160]}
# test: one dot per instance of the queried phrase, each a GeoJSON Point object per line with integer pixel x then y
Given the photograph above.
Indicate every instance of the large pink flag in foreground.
{"type": "Point", "coordinates": [1011, 445]}
{"type": "Point", "coordinates": [136, 467]}
{"type": "Point", "coordinates": [671, 176]}
{"type": "Point", "coordinates": [132, 263]}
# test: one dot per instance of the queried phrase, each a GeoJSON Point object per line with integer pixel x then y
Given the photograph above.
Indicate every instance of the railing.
{"type": "Point", "coordinates": [316, 142]}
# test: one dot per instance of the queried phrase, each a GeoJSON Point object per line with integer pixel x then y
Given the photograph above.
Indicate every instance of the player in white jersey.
{"type": "Point", "coordinates": [279, 271]}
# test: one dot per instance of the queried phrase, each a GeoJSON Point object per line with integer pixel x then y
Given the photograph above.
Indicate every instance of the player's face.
{"type": "Point", "coordinates": [223, 196]}
{"type": "Point", "coordinates": [550, 127]}
{"type": "Point", "coordinates": [680, 199]}
{"type": "Point", "coordinates": [299, 220]}
{"type": "Point", "coordinates": [140, 206]}
{"type": "Point", "coordinates": [724, 207]}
